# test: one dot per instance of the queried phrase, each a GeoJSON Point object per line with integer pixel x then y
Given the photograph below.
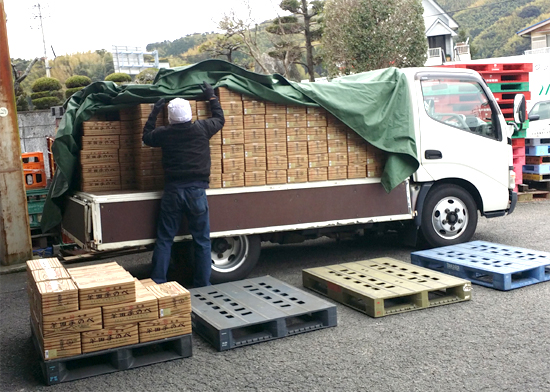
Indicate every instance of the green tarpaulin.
{"type": "Point", "coordinates": [375, 104]}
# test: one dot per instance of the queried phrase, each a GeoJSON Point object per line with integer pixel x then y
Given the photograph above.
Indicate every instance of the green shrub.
{"type": "Point", "coordinates": [46, 102]}
{"type": "Point", "coordinates": [146, 76]}
{"type": "Point", "coordinates": [43, 94]}
{"type": "Point", "coordinates": [71, 91]}
{"type": "Point", "coordinates": [77, 81]}
{"type": "Point", "coordinates": [45, 84]}
{"type": "Point", "coordinates": [22, 103]}
{"type": "Point", "coordinates": [118, 77]}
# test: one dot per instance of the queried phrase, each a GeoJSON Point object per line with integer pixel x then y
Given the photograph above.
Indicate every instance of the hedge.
{"type": "Point", "coordinates": [118, 77]}
{"type": "Point", "coordinates": [42, 94]}
{"type": "Point", "coordinates": [46, 102]}
{"type": "Point", "coordinates": [46, 84]}
{"type": "Point", "coordinates": [77, 81]}
{"type": "Point", "coordinates": [71, 91]}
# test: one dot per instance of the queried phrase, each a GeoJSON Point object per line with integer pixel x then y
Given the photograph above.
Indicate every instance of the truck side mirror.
{"type": "Point", "coordinates": [534, 117]}
{"type": "Point", "coordinates": [520, 108]}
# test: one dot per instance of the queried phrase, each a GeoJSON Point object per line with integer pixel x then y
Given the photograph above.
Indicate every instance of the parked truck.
{"type": "Point", "coordinates": [464, 153]}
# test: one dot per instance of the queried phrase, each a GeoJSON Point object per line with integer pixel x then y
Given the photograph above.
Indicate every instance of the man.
{"type": "Point", "coordinates": [186, 163]}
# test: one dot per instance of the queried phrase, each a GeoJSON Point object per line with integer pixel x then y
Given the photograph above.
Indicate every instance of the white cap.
{"type": "Point", "coordinates": [179, 111]}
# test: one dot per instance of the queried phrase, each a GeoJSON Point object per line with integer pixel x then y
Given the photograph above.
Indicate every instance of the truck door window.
{"type": "Point", "coordinates": [461, 104]}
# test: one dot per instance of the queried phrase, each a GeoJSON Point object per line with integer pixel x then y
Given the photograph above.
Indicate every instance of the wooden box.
{"type": "Point", "coordinates": [255, 164]}
{"type": "Point", "coordinates": [297, 175]}
{"type": "Point", "coordinates": [126, 155]}
{"type": "Point", "coordinates": [357, 171]}
{"type": "Point", "coordinates": [100, 142]}
{"type": "Point", "coordinates": [275, 121]}
{"type": "Point", "coordinates": [216, 166]}
{"type": "Point", "coordinates": [71, 322]}
{"type": "Point", "coordinates": [203, 109]}
{"type": "Point", "coordinates": [233, 165]}
{"type": "Point", "coordinates": [277, 163]}
{"type": "Point", "coordinates": [298, 162]}
{"type": "Point", "coordinates": [99, 184]}
{"type": "Point", "coordinates": [275, 135]}
{"type": "Point", "coordinates": [254, 135]}
{"type": "Point", "coordinates": [215, 181]}
{"type": "Point", "coordinates": [317, 147]}
{"type": "Point", "coordinates": [254, 121]}
{"type": "Point", "coordinates": [104, 339]}
{"type": "Point", "coordinates": [297, 148]}
{"type": "Point", "coordinates": [318, 160]}
{"type": "Point", "coordinates": [232, 136]}
{"type": "Point", "coordinates": [316, 110]}
{"type": "Point", "coordinates": [254, 178]}
{"type": "Point", "coordinates": [96, 156]}
{"type": "Point", "coordinates": [232, 108]}
{"type": "Point", "coordinates": [101, 128]}
{"type": "Point", "coordinates": [317, 174]}
{"type": "Point", "coordinates": [276, 149]}
{"type": "Point", "coordinates": [296, 120]}
{"type": "Point", "coordinates": [337, 159]}
{"type": "Point", "coordinates": [296, 134]}
{"type": "Point", "coordinates": [234, 122]}
{"type": "Point", "coordinates": [233, 151]}
{"type": "Point", "coordinates": [144, 308]}
{"type": "Point", "coordinates": [55, 347]}
{"type": "Point", "coordinates": [352, 135]}
{"type": "Point", "coordinates": [173, 298]}
{"type": "Point", "coordinates": [165, 328]}
{"type": "Point", "coordinates": [316, 121]}
{"type": "Point", "coordinates": [357, 158]}
{"type": "Point", "coordinates": [316, 133]}
{"type": "Point", "coordinates": [216, 150]}
{"type": "Point", "coordinates": [336, 133]}
{"type": "Point", "coordinates": [295, 109]}
{"type": "Point", "coordinates": [147, 282]}
{"type": "Point", "coordinates": [100, 169]}
{"type": "Point", "coordinates": [52, 262]}
{"type": "Point", "coordinates": [252, 150]}
{"type": "Point", "coordinates": [337, 145]}
{"type": "Point", "coordinates": [216, 139]}
{"type": "Point", "coordinates": [357, 145]}
{"type": "Point", "coordinates": [54, 296]}
{"type": "Point", "coordinates": [231, 180]}
{"type": "Point", "coordinates": [337, 173]}
{"type": "Point", "coordinates": [227, 95]}
{"type": "Point", "coordinates": [274, 108]}
{"type": "Point", "coordinates": [274, 177]}
{"type": "Point", "coordinates": [254, 107]}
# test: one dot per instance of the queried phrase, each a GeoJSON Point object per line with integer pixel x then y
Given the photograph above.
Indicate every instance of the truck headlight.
{"type": "Point", "coordinates": [512, 179]}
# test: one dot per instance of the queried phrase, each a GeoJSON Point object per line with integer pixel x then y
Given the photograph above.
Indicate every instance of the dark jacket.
{"type": "Point", "coordinates": [185, 148]}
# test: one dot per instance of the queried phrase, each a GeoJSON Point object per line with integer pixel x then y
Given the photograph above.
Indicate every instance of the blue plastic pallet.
{"type": "Point", "coordinates": [537, 169]}
{"type": "Point", "coordinates": [249, 311]}
{"type": "Point", "coordinates": [537, 150]}
{"type": "Point", "coordinates": [492, 265]}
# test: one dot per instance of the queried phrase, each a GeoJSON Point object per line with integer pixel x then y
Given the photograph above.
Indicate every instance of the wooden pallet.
{"type": "Point", "coordinates": [384, 286]}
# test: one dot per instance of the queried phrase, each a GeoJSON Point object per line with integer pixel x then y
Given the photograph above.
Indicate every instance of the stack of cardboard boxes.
{"type": "Point", "coordinates": [261, 143]}
{"type": "Point", "coordinates": [87, 309]}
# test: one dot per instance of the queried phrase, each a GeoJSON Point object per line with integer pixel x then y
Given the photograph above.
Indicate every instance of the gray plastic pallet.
{"type": "Point", "coordinates": [112, 360]}
{"type": "Point", "coordinates": [384, 286]}
{"type": "Point", "coordinates": [249, 311]}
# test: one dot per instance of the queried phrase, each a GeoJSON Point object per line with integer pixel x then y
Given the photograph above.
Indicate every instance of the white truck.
{"type": "Point", "coordinates": [465, 155]}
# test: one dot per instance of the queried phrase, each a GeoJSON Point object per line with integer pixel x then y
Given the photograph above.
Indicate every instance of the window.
{"type": "Point", "coordinates": [461, 104]}
{"type": "Point", "coordinates": [542, 109]}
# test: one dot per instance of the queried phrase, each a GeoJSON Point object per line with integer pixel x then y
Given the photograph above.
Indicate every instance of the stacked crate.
{"type": "Point", "coordinates": [537, 160]}
{"type": "Point", "coordinates": [87, 309]}
{"type": "Point", "coordinates": [34, 170]}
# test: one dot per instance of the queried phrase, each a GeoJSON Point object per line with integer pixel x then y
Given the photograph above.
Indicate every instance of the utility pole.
{"type": "Point", "coordinates": [15, 236]}
{"type": "Point", "coordinates": [43, 41]}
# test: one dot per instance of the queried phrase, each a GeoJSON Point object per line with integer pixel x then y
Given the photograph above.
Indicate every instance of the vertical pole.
{"type": "Point", "coordinates": [15, 238]}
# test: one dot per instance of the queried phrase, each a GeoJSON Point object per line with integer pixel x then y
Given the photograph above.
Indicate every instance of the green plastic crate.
{"type": "Point", "coordinates": [509, 87]}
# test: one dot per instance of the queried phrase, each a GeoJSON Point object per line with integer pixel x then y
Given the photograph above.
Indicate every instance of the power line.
{"type": "Point", "coordinates": [472, 8]}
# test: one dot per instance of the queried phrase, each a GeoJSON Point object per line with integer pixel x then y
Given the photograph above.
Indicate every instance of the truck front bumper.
{"type": "Point", "coordinates": [513, 201]}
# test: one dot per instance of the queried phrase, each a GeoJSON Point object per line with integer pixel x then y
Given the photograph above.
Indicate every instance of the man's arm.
{"type": "Point", "coordinates": [216, 122]}
{"type": "Point", "coordinates": [149, 128]}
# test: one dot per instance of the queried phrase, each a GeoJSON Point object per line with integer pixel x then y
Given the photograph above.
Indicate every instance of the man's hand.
{"type": "Point", "coordinates": [158, 105]}
{"type": "Point", "coordinates": [207, 90]}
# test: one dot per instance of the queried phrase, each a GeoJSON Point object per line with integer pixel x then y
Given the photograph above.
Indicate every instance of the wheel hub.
{"type": "Point", "coordinates": [450, 217]}
{"type": "Point", "coordinates": [229, 253]}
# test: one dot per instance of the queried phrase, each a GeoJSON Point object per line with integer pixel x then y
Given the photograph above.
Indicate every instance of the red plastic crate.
{"type": "Point", "coordinates": [35, 178]}
{"type": "Point", "coordinates": [520, 142]}
{"type": "Point", "coordinates": [505, 77]}
{"type": "Point", "coordinates": [497, 67]}
{"type": "Point", "coordinates": [33, 160]}
{"type": "Point", "coordinates": [501, 97]}
{"type": "Point", "coordinates": [519, 174]}
{"type": "Point", "coordinates": [518, 151]}
{"type": "Point", "coordinates": [519, 161]}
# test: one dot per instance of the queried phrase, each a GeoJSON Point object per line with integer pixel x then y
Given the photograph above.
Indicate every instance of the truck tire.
{"type": "Point", "coordinates": [449, 215]}
{"type": "Point", "coordinates": [233, 258]}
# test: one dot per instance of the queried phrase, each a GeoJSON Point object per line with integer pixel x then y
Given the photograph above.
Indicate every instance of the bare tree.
{"type": "Point", "coordinates": [17, 79]}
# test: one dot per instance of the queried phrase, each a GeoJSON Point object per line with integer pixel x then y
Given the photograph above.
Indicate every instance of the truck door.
{"type": "Point", "coordinates": [461, 136]}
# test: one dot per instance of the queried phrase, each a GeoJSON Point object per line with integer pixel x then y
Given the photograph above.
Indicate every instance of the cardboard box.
{"type": "Point", "coordinates": [337, 145]}
{"type": "Point", "coordinates": [337, 159]}
{"type": "Point", "coordinates": [255, 164]}
{"type": "Point", "coordinates": [70, 322]}
{"type": "Point", "coordinates": [165, 328]}
{"type": "Point", "coordinates": [274, 108]}
{"type": "Point", "coordinates": [274, 177]}
{"type": "Point", "coordinates": [231, 180]}
{"type": "Point", "coordinates": [254, 121]}
{"type": "Point", "coordinates": [98, 156]}
{"type": "Point", "coordinates": [317, 174]}
{"type": "Point", "coordinates": [233, 165]}
{"type": "Point", "coordinates": [357, 171]}
{"type": "Point", "coordinates": [318, 160]}
{"type": "Point", "coordinates": [275, 135]}
{"type": "Point", "coordinates": [144, 308]}
{"type": "Point", "coordinates": [298, 162]}
{"type": "Point", "coordinates": [296, 120]}
{"type": "Point", "coordinates": [104, 339]}
{"type": "Point", "coordinates": [296, 134]}
{"type": "Point", "coordinates": [316, 133]}
{"type": "Point", "coordinates": [100, 169]}
{"type": "Point", "coordinates": [252, 150]}
{"type": "Point", "coordinates": [100, 142]}
{"type": "Point", "coordinates": [254, 107]}
{"type": "Point", "coordinates": [254, 178]}
{"type": "Point", "coordinates": [317, 147]}
{"type": "Point", "coordinates": [295, 109]}
{"type": "Point", "coordinates": [173, 299]}
{"type": "Point", "coordinates": [297, 175]}
{"type": "Point", "coordinates": [337, 173]}
{"type": "Point", "coordinates": [233, 151]}
{"type": "Point", "coordinates": [254, 135]}
{"type": "Point", "coordinates": [232, 136]}
{"type": "Point", "coordinates": [296, 148]}
{"type": "Point", "coordinates": [277, 163]}
{"type": "Point", "coordinates": [275, 121]}
{"type": "Point", "coordinates": [232, 108]}
{"type": "Point", "coordinates": [276, 149]}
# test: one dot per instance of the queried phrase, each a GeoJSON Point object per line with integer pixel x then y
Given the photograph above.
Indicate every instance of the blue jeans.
{"type": "Point", "coordinates": [177, 200]}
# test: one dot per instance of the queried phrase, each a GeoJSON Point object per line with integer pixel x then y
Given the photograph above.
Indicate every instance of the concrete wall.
{"type": "Point", "coordinates": [34, 127]}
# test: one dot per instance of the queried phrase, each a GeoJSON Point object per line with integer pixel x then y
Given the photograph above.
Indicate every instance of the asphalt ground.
{"type": "Point", "coordinates": [498, 341]}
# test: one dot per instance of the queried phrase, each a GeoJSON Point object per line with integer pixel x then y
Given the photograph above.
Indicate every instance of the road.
{"type": "Point", "coordinates": [499, 341]}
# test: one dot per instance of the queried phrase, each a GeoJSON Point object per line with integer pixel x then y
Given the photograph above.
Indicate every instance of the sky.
{"type": "Point", "coordinates": [72, 26]}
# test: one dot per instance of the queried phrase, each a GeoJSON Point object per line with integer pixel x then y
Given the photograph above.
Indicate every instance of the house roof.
{"type": "Point", "coordinates": [530, 29]}
{"type": "Point", "coordinates": [439, 27]}
{"type": "Point", "coordinates": [452, 23]}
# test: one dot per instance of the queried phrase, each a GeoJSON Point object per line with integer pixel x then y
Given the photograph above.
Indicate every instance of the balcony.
{"type": "Point", "coordinates": [538, 51]}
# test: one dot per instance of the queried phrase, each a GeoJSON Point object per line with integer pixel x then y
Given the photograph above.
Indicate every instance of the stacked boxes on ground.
{"type": "Point", "coordinates": [537, 160]}
{"type": "Point", "coordinates": [261, 143]}
{"type": "Point", "coordinates": [88, 309]}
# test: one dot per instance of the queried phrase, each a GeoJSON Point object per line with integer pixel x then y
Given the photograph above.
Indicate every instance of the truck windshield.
{"type": "Point", "coordinates": [542, 109]}
{"type": "Point", "coordinates": [461, 104]}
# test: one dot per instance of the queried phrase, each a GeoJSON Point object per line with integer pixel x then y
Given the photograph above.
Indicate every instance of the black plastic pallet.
{"type": "Point", "coordinates": [249, 311]}
{"type": "Point", "coordinates": [112, 360]}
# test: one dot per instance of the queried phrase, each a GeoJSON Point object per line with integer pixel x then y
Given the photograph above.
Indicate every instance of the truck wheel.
{"type": "Point", "coordinates": [449, 215]}
{"type": "Point", "coordinates": [233, 258]}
